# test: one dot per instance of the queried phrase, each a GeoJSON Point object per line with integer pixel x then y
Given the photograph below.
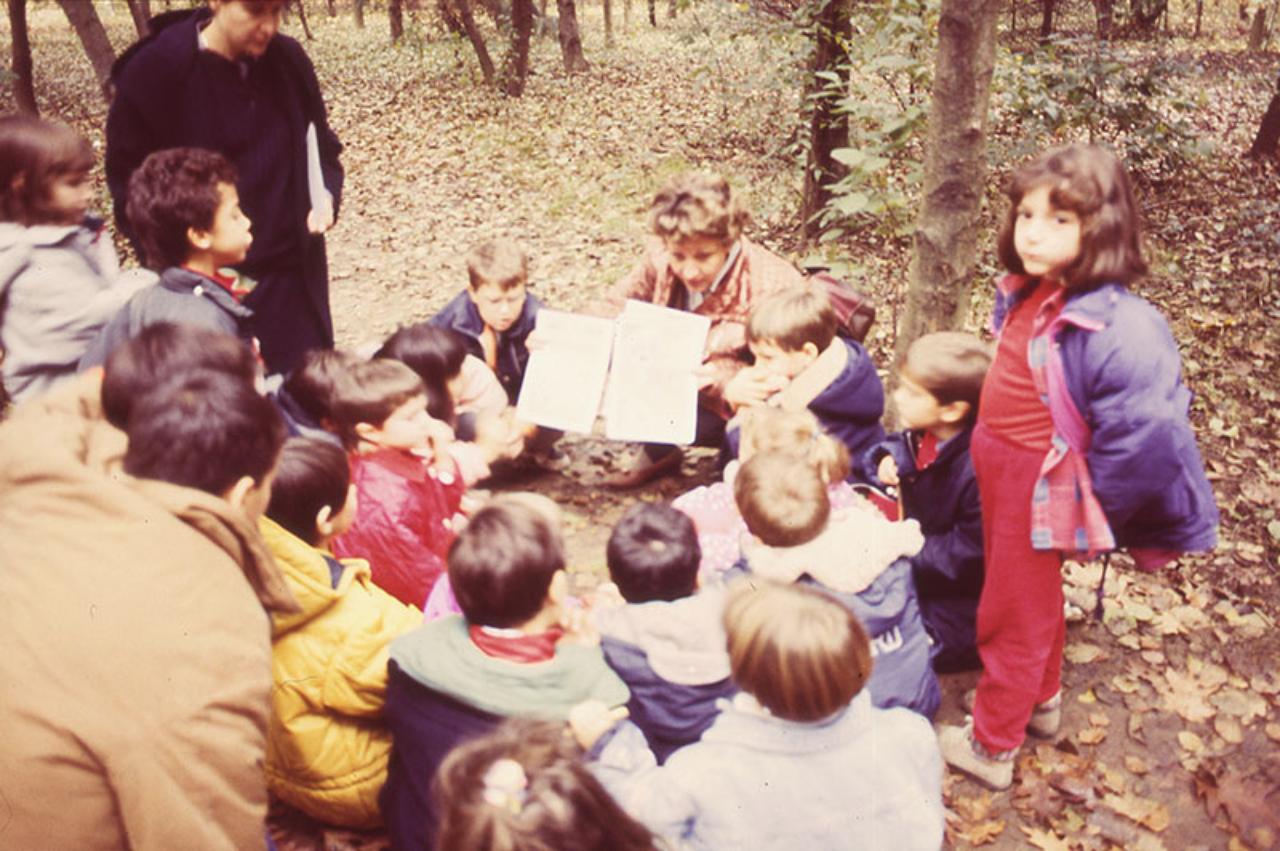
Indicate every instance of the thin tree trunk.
{"type": "Point", "coordinates": [468, 20]}
{"type": "Point", "coordinates": [395, 14]}
{"type": "Point", "coordinates": [357, 8]}
{"type": "Point", "coordinates": [302, 17]}
{"type": "Point", "coordinates": [1103, 11]}
{"type": "Point", "coordinates": [653, 12]}
{"type": "Point", "coordinates": [1258, 29]}
{"type": "Point", "coordinates": [828, 128]}
{"type": "Point", "coordinates": [516, 72]}
{"type": "Point", "coordinates": [450, 18]}
{"type": "Point", "coordinates": [24, 90]}
{"type": "Point", "coordinates": [333, 10]}
{"type": "Point", "coordinates": [93, 36]}
{"type": "Point", "coordinates": [1199, 16]}
{"type": "Point", "coordinates": [570, 38]}
{"type": "Point", "coordinates": [1013, 17]}
{"type": "Point", "coordinates": [608, 22]}
{"type": "Point", "coordinates": [1046, 18]}
{"type": "Point", "coordinates": [671, 8]}
{"type": "Point", "coordinates": [1267, 142]}
{"type": "Point", "coordinates": [140, 11]}
{"type": "Point", "coordinates": [946, 235]}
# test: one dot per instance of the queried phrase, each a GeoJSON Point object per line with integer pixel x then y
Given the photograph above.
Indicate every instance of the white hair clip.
{"type": "Point", "coordinates": [504, 785]}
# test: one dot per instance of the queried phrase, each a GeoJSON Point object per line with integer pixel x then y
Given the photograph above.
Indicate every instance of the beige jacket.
{"type": "Point", "coordinates": [136, 672]}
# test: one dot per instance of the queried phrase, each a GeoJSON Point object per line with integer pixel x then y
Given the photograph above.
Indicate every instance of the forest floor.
{"type": "Point", "coordinates": [1171, 731]}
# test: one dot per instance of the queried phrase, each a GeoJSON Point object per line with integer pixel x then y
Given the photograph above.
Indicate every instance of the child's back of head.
{"type": "Point", "coordinates": [800, 654]}
{"type": "Point", "coordinates": [312, 486]}
{"type": "Point", "coordinates": [950, 365]}
{"type": "Point", "coordinates": [502, 565]}
{"type": "Point", "coordinates": [209, 431]}
{"type": "Point", "coordinates": [653, 554]}
{"type": "Point", "coordinates": [525, 787]}
{"type": "Point", "coordinates": [793, 319]}
{"type": "Point", "coordinates": [173, 192]}
{"type": "Point", "coordinates": [312, 386]}
{"type": "Point", "coordinates": [796, 434]}
{"type": "Point", "coordinates": [436, 355]}
{"type": "Point", "coordinates": [37, 157]}
{"type": "Point", "coordinates": [783, 503]}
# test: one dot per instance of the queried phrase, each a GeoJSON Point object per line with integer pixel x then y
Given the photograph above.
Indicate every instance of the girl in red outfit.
{"type": "Point", "coordinates": [1081, 441]}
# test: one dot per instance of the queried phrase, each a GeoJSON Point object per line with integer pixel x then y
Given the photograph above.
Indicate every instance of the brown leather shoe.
{"type": "Point", "coordinates": [646, 470]}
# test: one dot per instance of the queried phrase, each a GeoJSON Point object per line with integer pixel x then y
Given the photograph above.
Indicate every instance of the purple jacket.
{"type": "Point", "coordinates": [1122, 375]}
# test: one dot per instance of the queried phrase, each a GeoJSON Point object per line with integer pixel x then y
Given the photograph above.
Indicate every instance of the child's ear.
{"type": "Point", "coordinates": [558, 592]}
{"type": "Point", "coordinates": [200, 239]}
{"type": "Point", "coordinates": [954, 412]}
{"type": "Point", "coordinates": [239, 492]}
{"type": "Point", "coordinates": [810, 349]}
{"type": "Point", "coordinates": [324, 521]}
{"type": "Point", "coordinates": [366, 431]}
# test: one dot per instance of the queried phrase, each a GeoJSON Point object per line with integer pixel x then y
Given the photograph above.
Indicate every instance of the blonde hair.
{"type": "Point", "coordinates": [796, 434]}
{"type": "Point", "coordinates": [783, 503]}
{"type": "Point", "coordinates": [498, 262]}
{"type": "Point", "coordinates": [798, 652]}
{"type": "Point", "coordinates": [790, 319]}
{"type": "Point", "coordinates": [698, 205]}
{"type": "Point", "coordinates": [369, 391]}
{"type": "Point", "coordinates": [951, 365]}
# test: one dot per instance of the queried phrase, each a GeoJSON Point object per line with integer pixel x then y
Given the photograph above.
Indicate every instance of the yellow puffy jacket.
{"type": "Point", "coordinates": [326, 747]}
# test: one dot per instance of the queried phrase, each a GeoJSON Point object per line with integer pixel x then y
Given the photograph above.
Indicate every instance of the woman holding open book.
{"type": "Point", "coordinates": [699, 261]}
{"type": "Point", "coordinates": [224, 78]}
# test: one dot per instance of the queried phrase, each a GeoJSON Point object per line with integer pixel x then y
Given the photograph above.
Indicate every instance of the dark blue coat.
{"type": "Point", "coordinates": [851, 406]}
{"type": "Point", "coordinates": [513, 352]}
{"type": "Point", "coordinates": [948, 572]}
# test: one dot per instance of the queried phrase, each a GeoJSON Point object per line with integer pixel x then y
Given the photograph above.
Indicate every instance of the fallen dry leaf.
{"type": "Point", "coordinates": [1191, 743]}
{"type": "Point", "coordinates": [1229, 729]}
{"type": "Point", "coordinates": [1046, 840]}
{"type": "Point", "coordinates": [1136, 764]}
{"type": "Point", "coordinates": [1152, 815]}
{"type": "Point", "coordinates": [1083, 654]}
{"type": "Point", "coordinates": [1092, 735]}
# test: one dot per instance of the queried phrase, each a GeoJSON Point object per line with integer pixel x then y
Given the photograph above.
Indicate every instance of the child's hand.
{"type": "Point", "coordinates": [591, 719]}
{"type": "Point", "coordinates": [888, 470]}
{"type": "Point", "coordinates": [752, 387]}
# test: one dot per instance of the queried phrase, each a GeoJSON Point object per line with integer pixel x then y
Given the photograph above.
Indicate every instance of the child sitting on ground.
{"type": "Point", "coordinates": [327, 749]}
{"type": "Point", "coordinates": [506, 655]}
{"type": "Point", "coordinates": [792, 336]}
{"type": "Point", "coordinates": [525, 787]}
{"type": "Point", "coordinates": [59, 276]}
{"type": "Point", "coordinates": [856, 555]}
{"type": "Point", "coordinates": [410, 494]}
{"type": "Point", "coordinates": [939, 383]}
{"type": "Point", "coordinates": [797, 435]}
{"type": "Point", "coordinates": [667, 642]}
{"type": "Point", "coordinates": [185, 213]}
{"type": "Point", "coordinates": [801, 758]}
{"type": "Point", "coordinates": [305, 397]}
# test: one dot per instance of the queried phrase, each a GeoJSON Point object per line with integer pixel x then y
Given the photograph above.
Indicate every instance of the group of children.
{"type": "Point", "coordinates": [759, 669]}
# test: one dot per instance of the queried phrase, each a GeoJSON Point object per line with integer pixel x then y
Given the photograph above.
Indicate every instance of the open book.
{"type": "Point", "coordinates": [641, 364]}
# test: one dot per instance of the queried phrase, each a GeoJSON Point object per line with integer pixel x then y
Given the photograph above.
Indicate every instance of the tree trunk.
{"type": "Point", "coordinates": [828, 129]}
{"type": "Point", "coordinates": [357, 8]}
{"type": "Point", "coordinates": [1046, 18]}
{"type": "Point", "coordinates": [333, 10]}
{"type": "Point", "coordinates": [1103, 12]}
{"type": "Point", "coordinates": [24, 90]}
{"type": "Point", "coordinates": [1199, 16]}
{"type": "Point", "coordinates": [395, 14]}
{"type": "Point", "coordinates": [653, 12]}
{"type": "Point", "coordinates": [302, 18]}
{"type": "Point", "coordinates": [608, 22]}
{"type": "Point", "coordinates": [450, 18]}
{"type": "Point", "coordinates": [468, 19]}
{"type": "Point", "coordinates": [93, 36]}
{"type": "Point", "coordinates": [1267, 142]}
{"type": "Point", "coordinates": [516, 72]}
{"type": "Point", "coordinates": [946, 235]}
{"type": "Point", "coordinates": [140, 11]}
{"type": "Point", "coordinates": [671, 8]}
{"type": "Point", "coordinates": [1013, 17]}
{"type": "Point", "coordinates": [570, 39]}
{"type": "Point", "coordinates": [1258, 29]}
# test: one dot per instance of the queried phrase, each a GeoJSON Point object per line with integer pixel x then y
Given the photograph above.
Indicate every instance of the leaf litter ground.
{"type": "Point", "coordinates": [1171, 731]}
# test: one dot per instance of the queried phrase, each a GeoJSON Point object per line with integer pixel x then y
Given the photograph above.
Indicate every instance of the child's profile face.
{"type": "Point", "coordinates": [917, 407]}
{"type": "Point", "coordinates": [229, 237]}
{"type": "Point", "coordinates": [781, 363]}
{"type": "Point", "coordinates": [70, 196]}
{"type": "Point", "coordinates": [408, 427]}
{"type": "Point", "coordinates": [1047, 238]}
{"type": "Point", "coordinates": [696, 260]}
{"type": "Point", "coordinates": [499, 308]}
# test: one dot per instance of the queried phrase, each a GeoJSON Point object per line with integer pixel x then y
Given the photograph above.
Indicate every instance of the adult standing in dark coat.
{"type": "Point", "coordinates": [224, 78]}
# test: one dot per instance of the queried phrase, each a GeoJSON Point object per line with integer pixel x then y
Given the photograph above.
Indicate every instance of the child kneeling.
{"type": "Point", "coordinates": [327, 749]}
{"type": "Point", "coordinates": [800, 758]}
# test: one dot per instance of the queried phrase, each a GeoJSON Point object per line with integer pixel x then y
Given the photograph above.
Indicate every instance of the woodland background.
{"type": "Point", "coordinates": [465, 119]}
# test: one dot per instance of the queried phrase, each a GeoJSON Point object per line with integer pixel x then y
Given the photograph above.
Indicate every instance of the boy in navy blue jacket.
{"type": "Point", "coordinates": [801, 363]}
{"type": "Point", "coordinates": [667, 643]}
{"type": "Point", "coordinates": [939, 383]}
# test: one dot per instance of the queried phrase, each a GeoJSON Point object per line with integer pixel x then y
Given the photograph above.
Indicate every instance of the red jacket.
{"type": "Point", "coordinates": [404, 521]}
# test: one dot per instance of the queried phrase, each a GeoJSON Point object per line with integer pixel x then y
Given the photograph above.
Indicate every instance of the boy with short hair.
{"type": "Point", "coordinates": [667, 643]}
{"type": "Point", "coordinates": [185, 213]}
{"type": "Point", "coordinates": [410, 494]}
{"type": "Point", "coordinates": [456, 677]}
{"type": "Point", "coordinates": [855, 554]}
{"type": "Point", "coordinates": [804, 364]}
{"type": "Point", "coordinates": [327, 749]}
{"type": "Point", "coordinates": [939, 383]}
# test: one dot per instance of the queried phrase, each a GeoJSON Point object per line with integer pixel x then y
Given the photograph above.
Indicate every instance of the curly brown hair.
{"type": "Point", "coordinates": [171, 192]}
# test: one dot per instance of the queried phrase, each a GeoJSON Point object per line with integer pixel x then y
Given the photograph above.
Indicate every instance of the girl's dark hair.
{"type": "Point", "coordinates": [312, 474]}
{"type": "Point", "coordinates": [653, 553]}
{"type": "Point", "coordinates": [436, 354]}
{"type": "Point", "coordinates": [171, 192]}
{"type": "Point", "coordinates": [1089, 181]}
{"type": "Point", "coordinates": [561, 807]}
{"type": "Point", "coordinates": [35, 152]}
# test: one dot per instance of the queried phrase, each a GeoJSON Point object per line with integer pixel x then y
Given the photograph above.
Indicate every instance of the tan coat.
{"type": "Point", "coordinates": [135, 675]}
{"type": "Point", "coordinates": [756, 273]}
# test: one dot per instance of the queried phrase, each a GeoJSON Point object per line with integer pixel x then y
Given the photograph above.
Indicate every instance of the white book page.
{"type": "Point", "coordinates": [565, 378]}
{"type": "Point", "coordinates": [320, 197]}
{"type": "Point", "coordinates": [653, 392]}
